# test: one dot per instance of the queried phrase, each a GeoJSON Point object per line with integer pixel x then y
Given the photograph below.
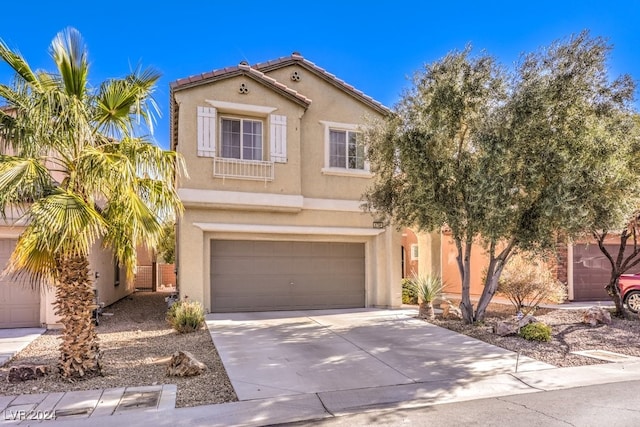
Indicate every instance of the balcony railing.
{"type": "Point", "coordinates": [257, 170]}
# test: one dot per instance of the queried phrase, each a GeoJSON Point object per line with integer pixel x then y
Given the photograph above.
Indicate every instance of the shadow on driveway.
{"type": "Point", "coordinates": [273, 354]}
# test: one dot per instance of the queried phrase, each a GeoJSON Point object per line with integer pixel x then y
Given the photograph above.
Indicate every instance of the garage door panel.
{"type": "Point", "coordinates": [19, 303]}
{"type": "Point", "coordinates": [276, 275]}
{"type": "Point", "coordinates": [591, 271]}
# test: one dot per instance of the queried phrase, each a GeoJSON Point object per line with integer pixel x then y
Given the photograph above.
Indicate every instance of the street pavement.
{"type": "Point", "coordinates": [613, 404]}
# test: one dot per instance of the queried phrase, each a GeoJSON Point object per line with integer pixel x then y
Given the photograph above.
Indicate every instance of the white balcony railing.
{"type": "Point", "coordinates": [242, 169]}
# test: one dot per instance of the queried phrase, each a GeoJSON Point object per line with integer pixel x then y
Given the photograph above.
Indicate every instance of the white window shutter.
{"type": "Point", "coordinates": [206, 132]}
{"type": "Point", "coordinates": [278, 138]}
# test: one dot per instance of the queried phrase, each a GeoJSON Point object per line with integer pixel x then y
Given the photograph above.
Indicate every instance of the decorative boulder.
{"type": "Point", "coordinates": [450, 311]}
{"type": "Point", "coordinates": [506, 327]}
{"type": "Point", "coordinates": [183, 364]}
{"type": "Point", "coordinates": [526, 320]}
{"type": "Point", "coordinates": [27, 372]}
{"type": "Point", "coordinates": [595, 315]}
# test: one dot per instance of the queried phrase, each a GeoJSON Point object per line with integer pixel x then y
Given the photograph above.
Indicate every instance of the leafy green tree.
{"type": "Point", "coordinates": [505, 159]}
{"type": "Point", "coordinates": [167, 244]}
{"type": "Point", "coordinates": [76, 169]}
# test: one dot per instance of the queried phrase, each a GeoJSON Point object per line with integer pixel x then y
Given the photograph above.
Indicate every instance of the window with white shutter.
{"type": "Point", "coordinates": [206, 132]}
{"type": "Point", "coordinates": [278, 140]}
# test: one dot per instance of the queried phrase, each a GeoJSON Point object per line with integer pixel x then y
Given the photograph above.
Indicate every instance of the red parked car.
{"type": "Point", "coordinates": [630, 291]}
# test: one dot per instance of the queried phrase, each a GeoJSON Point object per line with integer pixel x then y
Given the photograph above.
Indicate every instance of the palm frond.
{"type": "Point", "coordinates": [70, 55]}
{"type": "Point", "coordinates": [31, 259]}
{"type": "Point", "coordinates": [121, 101]}
{"type": "Point", "coordinates": [66, 223]}
{"type": "Point", "coordinates": [22, 180]}
{"type": "Point", "coordinates": [130, 222]}
{"type": "Point", "coordinates": [102, 172]}
{"type": "Point", "coordinates": [19, 65]}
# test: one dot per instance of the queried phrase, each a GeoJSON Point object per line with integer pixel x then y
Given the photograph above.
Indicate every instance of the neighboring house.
{"type": "Point", "coordinates": [272, 207]}
{"type": "Point", "coordinates": [581, 265]}
{"type": "Point", "coordinates": [410, 253]}
{"type": "Point", "coordinates": [23, 306]}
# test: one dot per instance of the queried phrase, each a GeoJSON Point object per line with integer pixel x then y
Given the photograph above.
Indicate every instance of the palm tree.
{"type": "Point", "coordinates": [77, 170]}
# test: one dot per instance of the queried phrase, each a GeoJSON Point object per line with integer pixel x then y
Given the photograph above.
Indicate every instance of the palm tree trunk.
{"type": "Point", "coordinates": [79, 351]}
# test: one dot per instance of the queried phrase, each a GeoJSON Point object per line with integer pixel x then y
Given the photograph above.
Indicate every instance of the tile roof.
{"type": "Point", "coordinates": [296, 58]}
{"type": "Point", "coordinates": [241, 69]}
{"type": "Point", "coordinates": [257, 71]}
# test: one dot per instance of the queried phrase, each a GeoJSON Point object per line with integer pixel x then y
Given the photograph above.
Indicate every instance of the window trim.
{"type": "Point", "coordinates": [415, 252]}
{"type": "Point", "coordinates": [346, 171]}
{"type": "Point", "coordinates": [241, 119]}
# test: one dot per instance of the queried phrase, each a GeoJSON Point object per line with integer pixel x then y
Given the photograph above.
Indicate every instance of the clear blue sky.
{"type": "Point", "coordinates": [373, 45]}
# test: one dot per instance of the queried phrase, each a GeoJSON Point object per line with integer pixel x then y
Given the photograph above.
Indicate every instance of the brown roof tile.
{"type": "Point", "coordinates": [258, 71]}
{"type": "Point", "coordinates": [296, 58]}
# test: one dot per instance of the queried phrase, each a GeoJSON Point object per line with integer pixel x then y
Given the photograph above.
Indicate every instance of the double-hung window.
{"type": "Point", "coordinates": [345, 150]}
{"type": "Point", "coordinates": [241, 139]}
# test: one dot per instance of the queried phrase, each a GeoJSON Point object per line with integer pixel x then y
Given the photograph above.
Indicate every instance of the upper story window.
{"type": "Point", "coordinates": [345, 153]}
{"type": "Point", "coordinates": [241, 139]}
{"type": "Point", "coordinates": [345, 150]}
{"type": "Point", "coordinates": [245, 141]}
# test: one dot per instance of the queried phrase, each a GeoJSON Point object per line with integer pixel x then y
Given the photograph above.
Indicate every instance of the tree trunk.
{"type": "Point", "coordinates": [494, 271]}
{"type": "Point", "coordinates": [79, 351]}
{"type": "Point", "coordinates": [426, 311]}
{"type": "Point", "coordinates": [614, 292]}
{"type": "Point", "coordinates": [464, 265]}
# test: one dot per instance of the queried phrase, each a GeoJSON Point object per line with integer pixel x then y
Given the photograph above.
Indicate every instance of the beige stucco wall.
{"type": "Point", "coordinates": [330, 104]}
{"type": "Point", "coordinates": [99, 260]}
{"type": "Point", "coordinates": [382, 254]}
{"type": "Point", "coordinates": [287, 175]}
{"type": "Point", "coordinates": [302, 176]}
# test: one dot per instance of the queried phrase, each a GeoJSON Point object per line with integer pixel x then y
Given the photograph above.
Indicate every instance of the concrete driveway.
{"type": "Point", "coordinates": [272, 354]}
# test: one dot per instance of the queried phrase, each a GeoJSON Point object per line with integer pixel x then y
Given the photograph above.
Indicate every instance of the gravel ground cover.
{"type": "Point", "coordinates": [568, 335]}
{"type": "Point", "coordinates": [137, 343]}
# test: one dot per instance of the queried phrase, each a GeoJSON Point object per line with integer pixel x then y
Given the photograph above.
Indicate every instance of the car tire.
{"type": "Point", "coordinates": [633, 301]}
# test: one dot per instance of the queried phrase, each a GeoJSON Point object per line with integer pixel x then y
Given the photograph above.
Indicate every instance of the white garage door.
{"type": "Point", "coordinates": [19, 304]}
{"type": "Point", "coordinates": [269, 275]}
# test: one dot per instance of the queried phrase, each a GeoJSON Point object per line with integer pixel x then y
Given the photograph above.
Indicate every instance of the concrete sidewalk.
{"type": "Point", "coordinates": [14, 340]}
{"type": "Point", "coordinates": [66, 406]}
{"type": "Point", "coordinates": [316, 406]}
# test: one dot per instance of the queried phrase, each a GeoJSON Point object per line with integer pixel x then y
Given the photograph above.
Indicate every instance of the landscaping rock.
{"type": "Point", "coordinates": [453, 313]}
{"type": "Point", "coordinates": [596, 315]}
{"type": "Point", "coordinates": [506, 327]}
{"type": "Point", "coordinates": [526, 320]}
{"type": "Point", "coordinates": [27, 372]}
{"type": "Point", "coordinates": [183, 364]}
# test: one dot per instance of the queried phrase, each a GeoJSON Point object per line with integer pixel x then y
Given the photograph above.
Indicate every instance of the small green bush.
{"type": "Point", "coordinates": [409, 292]}
{"type": "Point", "coordinates": [536, 332]}
{"type": "Point", "coordinates": [186, 316]}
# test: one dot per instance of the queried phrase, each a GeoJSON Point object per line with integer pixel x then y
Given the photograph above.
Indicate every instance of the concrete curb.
{"type": "Point", "coordinates": [316, 406]}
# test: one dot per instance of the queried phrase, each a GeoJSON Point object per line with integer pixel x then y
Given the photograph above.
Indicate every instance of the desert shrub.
{"type": "Point", "coordinates": [409, 294]}
{"type": "Point", "coordinates": [428, 288]}
{"type": "Point", "coordinates": [186, 316]}
{"type": "Point", "coordinates": [527, 281]}
{"type": "Point", "coordinates": [536, 331]}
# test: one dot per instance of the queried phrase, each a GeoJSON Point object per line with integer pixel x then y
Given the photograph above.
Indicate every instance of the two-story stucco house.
{"type": "Point", "coordinates": [272, 205]}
